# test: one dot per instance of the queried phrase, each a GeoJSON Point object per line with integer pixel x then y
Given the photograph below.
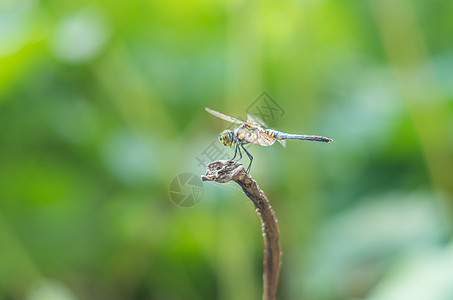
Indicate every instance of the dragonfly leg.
{"type": "Point", "coordinates": [250, 157]}
{"type": "Point", "coordinates": [235, 152]}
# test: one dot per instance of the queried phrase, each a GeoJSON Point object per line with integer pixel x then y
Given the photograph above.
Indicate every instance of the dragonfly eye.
{"type": "Point", "coordinates": [225, 137]}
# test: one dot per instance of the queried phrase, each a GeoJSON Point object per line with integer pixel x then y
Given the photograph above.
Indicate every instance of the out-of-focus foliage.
{"type": "Point", "coordinates": [102, 105]}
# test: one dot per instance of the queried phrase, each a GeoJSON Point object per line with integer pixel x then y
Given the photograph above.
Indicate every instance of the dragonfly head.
{"type": "Point", "coordinates": [226, 137]}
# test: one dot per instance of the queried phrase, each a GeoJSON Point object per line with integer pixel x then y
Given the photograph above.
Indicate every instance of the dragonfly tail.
{"type": "Point", "coordinates": [283, 136]}
{"type": "Point", "coordinates": [310, 138]}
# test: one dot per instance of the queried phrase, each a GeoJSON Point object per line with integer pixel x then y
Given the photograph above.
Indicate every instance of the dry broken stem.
{"type": "Point", "coordinates": [223, 171]}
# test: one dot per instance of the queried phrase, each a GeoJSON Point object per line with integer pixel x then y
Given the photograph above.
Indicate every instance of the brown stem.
{"type": "Point", "coordinates": [223, 171]}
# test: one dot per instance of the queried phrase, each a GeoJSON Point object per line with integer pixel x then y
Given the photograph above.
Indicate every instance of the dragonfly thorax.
{"type": "Point", "coordinates": [226, 137]}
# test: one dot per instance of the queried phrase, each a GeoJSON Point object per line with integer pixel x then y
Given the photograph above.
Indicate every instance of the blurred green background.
{"type": "Point", "coordinates": [102, 105]}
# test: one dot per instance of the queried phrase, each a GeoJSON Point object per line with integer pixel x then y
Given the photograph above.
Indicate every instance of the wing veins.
{"type": "Point", "coordinates": [224, 117]}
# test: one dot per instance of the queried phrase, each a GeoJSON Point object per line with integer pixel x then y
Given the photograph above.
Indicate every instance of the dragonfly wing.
{"type": "Point", "coordinates": [264, 139]}
{"type": "Point", "coordinates": [224, 117]}
{"type": "Point", "coordinates": [255, 120]}
{"type": "Point", "coordinates": [282, 142]}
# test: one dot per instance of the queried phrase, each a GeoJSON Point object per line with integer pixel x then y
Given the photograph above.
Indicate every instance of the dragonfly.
{"type": "Point", "coordinates": [255, 131]}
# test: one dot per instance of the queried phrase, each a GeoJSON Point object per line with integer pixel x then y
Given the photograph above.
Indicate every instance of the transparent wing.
{"type": "Point", "coordinates": [264, 139]}
{"type": "Point", "coordinates": [224, 117]}
{"type": "Point", "coordinates": [255, 120]}
{"type": "Point", "coordinates": [282, 142]}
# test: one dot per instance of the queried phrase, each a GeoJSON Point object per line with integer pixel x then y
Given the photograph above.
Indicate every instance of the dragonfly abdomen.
{"type": "Point", "coordinates": [283, 136]}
